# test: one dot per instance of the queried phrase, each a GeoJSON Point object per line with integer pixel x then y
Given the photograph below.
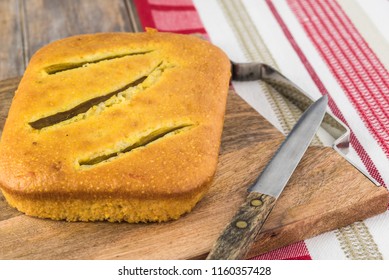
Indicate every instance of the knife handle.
{"type": "Point", "coordinates": [240, 233]}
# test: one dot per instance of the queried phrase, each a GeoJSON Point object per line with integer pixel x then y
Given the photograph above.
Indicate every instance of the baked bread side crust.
{"type": "Point", "coordinates": [106, 209]}
{"type": "Point", "coordinates": [145, 150]}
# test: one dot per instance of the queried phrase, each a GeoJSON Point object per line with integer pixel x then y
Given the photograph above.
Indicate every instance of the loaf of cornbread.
{"type": "Point", "coordinates": [115, 126]}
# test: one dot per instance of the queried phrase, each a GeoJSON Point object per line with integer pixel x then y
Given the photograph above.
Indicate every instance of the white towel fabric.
{"type": "Point", "coordinates": [339, 47]}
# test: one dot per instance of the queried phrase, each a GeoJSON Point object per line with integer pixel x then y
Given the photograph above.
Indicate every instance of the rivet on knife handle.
{"type": "Point", "coordinates": [240, 234]}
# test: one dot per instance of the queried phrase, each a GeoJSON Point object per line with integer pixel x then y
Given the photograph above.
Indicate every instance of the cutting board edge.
{"type": "Point", "coordinates": [380, 199]}
{"type": "Point", "coordinates": [14, 80]}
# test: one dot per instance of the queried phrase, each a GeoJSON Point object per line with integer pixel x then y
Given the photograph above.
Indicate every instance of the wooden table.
{"type": "Point", "coordinates": [27, 25]}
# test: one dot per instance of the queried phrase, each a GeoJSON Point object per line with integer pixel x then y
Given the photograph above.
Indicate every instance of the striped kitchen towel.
{"type": "Point", "coordinates": [335, 47]}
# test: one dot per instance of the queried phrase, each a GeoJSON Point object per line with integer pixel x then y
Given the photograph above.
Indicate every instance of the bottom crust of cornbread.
{"type": "Point", "coordinates": [106, 209]}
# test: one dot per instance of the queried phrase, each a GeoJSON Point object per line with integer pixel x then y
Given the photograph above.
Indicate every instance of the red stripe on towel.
{"type": "Point", "coordinates": [371, 168]}
{"type": "Point", "coordinates": [296, 251]}
{"type": "Point", "coordinates": [356, 68]}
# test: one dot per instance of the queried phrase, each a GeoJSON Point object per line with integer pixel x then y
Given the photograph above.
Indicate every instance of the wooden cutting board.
{"type": "Point", "coordinates": [324, 193]}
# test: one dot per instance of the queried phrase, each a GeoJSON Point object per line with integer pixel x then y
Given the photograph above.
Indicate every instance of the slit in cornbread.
{"type": "Point", "coordinates": [61, 67]}
{"type": "Point", "coordinates": [81, 169]}
{"type": "Point", "coordinates": [117, 96]}
{"type": "Point", "coordinates": [140, 141]}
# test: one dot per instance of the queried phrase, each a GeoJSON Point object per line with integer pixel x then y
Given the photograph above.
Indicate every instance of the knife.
{"type": "Point", "coordinates": [240, 233]}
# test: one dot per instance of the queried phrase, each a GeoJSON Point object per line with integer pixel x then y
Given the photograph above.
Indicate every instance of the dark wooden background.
{"type": "Point", "coordinates": [27, 25]}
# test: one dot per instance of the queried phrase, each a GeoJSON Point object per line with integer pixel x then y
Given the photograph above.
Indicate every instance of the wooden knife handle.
{"type": "Point", "coordinates": [238, 236]}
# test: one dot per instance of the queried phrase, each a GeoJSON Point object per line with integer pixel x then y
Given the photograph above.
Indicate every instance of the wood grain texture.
{"type": "Point", "coordinates": [324, 193]}
{"type": "Point", "coordinates": [136, 26]}
{"type": "Point", "coordinates": [11, 47]}
{"type": "Point", "coordinates": [7, 86]}
{"type": "Point", "coordinates": [239, 235]}
{"type": "Point", "coordinates": [48, 20]}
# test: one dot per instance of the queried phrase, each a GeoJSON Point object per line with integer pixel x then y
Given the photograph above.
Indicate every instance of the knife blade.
{"type": "Point", "coordinates": [237, 238]}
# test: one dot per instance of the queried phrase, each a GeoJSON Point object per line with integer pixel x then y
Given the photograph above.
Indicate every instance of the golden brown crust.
{"type": "Point", "coordinates": [156, 136]}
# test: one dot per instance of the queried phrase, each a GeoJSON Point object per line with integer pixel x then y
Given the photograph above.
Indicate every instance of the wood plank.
{"type": "Point", "coordinates": [324, 193]}
{"type": "Point", "coordinates": [11, 48]}
{"type": "Point", "coordinates": [136, 25]}
{"type": "Point", "coordinates": [48, 20]}
{"type": "Point", "coordinates": [6, 92]}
